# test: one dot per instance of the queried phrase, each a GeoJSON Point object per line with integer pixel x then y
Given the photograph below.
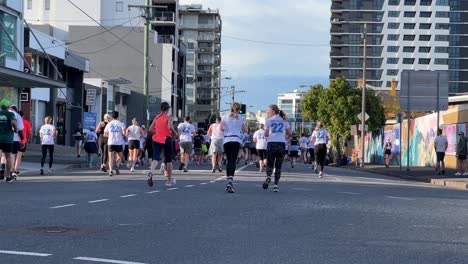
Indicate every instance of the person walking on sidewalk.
{"type": "Point", "coordinates": [461, 155]}
{"type": "Point", "coordinates": [91, 146]}
{"type": "Point", "coordinates": [261, 147]}
{"type": "Point", "coordinates": [102, 142]}
{"type": "Point", "coordinates": [115, 132]}
{"type": "Point", "coordinates": [216, 146]}
{"type": "Point", "coordinates": [440, 146]}
{"type": "Point", "coordinates": [320, 138]}
{"type": "Point", "coordinates": [388, 152]}
{"type": "Point", "coordinates": [186, 131]}
{"type": "Point", "coordinates": [276, 129]}
{"type": "Point", "coordinates": [8, 127]}
{"type": "Point", "coordinates": [17, 137]}
{"type": "Point", "coordinates": [162, 127]}
{"type": "Point", "coordinates": [134, 134]}
{"type": "Point", "coordinates": [27, 138]}
{"type": "Point", "coordinates": [78, 136]}
{"type": "Point", "coordinates": [47, 135]}
{"type": "Point", "coordinates": [232, 126]}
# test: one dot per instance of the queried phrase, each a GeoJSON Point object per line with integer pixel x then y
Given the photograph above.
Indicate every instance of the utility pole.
{"type": "Point", "coordinates": [233, 91]}
{"type": "Point", "coordinates": [363, 107]}
{"type": "Point", "coordinates": [147, 16]}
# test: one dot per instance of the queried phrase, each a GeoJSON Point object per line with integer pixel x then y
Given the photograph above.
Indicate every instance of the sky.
{"type": "Point", "coordinates": [262, 70]}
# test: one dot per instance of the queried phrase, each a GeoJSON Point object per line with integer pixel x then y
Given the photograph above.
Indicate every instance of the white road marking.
{"type": "Point", "coordinates": [400, 198]}
{"type": "Point", "coordinates": [452, 203]}
{"type": "Point", "coordinates": [203, 183]}
{"type": "Point", "coordinates": [220, 178]}
{"type": "Point", "coordinates": [303, 189]}
{"type": "Point", "coordinates": [173, 189]}
{"type": "Point", "coordinates": [212, 181]}
{"type": "Point", "coordinates": [22, 253]}
{"type": "Point", "coordinates": [350, 193]}
{"type": "Point", "coordinates": [128, 195]}
{"type": "Point", "coordinates": [242, 168]}
{"type": "Point", "coordinates": [62, 206]}
{"type": "Point", "coordinates": [189, 186]}
{"type": "Point", "coordinates": [153, 192]}
{"type": "Point", "coordinates": [98, 201]}
{"type": "Point", "coordinates": [107, 260]}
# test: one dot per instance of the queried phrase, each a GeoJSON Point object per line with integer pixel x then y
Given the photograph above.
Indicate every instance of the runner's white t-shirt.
{"type": "Point", "coordinates": [321, 136]}
{"type": "Point", "coordinates": [91, 136]}
{"type": "Point", "coordinates": [303, 142]}
{"type": "Point", "coordinates": [134, 132]}
{"type": "Point", "coordinates": [277, 127]}
{"type": "Point", "coordinates": [440, 143]}
{"type": "Point", "coordinates": [186, 132]}
{"type": "Point", "coordinates": [115, 128]}
{"type": "Point", "coordinates": [48, 134]}
{"type": "Point", "coordinates": [20, 124]}
{"type": "Point", "coordinates": [232, 128]}
{"type": "Point", "coordinates": [216, 133]}
{"type": "Point", "coordinates": [261, 139]}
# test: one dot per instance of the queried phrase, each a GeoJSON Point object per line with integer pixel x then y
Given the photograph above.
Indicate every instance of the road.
{"type": "Point", "coordinates": [82, 216]}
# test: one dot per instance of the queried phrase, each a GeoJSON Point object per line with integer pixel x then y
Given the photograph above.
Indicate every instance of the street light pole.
{"type": "Point", "coordinates": [363, 107]}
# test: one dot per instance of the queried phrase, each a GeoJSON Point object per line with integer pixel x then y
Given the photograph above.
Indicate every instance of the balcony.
{"type": "Point", "coordinates": [202, 37]}
{"type": "Point", "coordinates": [204, 73]}
{"type": "Point", "coordinates": [204, 85]}
{"type": "Point", "coordinates": [164, 18]}
{"type": "Point", "coordinates": [205, 62]}
{"type": "Point", "coordinates": [205, 50]}
{"type": "Point", "coordinates": [166, 39]}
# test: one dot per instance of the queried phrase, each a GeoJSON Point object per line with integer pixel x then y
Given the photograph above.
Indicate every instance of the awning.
{"type": "Point", "coordinates": [14, 78]}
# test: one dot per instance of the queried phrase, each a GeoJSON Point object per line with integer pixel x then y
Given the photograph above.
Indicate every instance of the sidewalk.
{"type": "Point", "coordinates": [421, 174]}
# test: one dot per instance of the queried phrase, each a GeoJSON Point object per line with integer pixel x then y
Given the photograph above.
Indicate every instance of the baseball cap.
{"type": "Point", "coordinates": [5, 103]}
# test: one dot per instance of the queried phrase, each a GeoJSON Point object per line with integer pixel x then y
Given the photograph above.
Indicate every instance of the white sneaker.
{"type": "Point", "coordinates": [171, 183]}
{"type": "Point", "coordinates": [321, 175]}
{"type": "Point", "coordinates": [458, 174]}
{"type": "Point", "coordinates": [50, 171]}
{"type": "Point", "coordinates": [132, 169]}
{"type": "Point", "coordinates": [466, 173]}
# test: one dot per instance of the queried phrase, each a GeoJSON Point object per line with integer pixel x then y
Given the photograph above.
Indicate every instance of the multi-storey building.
{"type": "Point", "coordinates": [401, 35]}
{"type": "Point", "coordinates": [290, 104]}
{"type": "Point", "coordinates": [201, 30]}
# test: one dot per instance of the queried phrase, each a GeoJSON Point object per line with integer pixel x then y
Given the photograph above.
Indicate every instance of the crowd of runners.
{"type": "Point", "coordinates": [228, 141]}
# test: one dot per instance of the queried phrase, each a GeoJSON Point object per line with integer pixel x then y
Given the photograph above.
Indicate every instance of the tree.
{"type": "Point", "coordinates": [310, 101]}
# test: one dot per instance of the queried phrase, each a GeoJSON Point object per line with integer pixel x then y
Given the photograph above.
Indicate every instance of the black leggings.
{"type": "Point", "coordinates": [275, 157]}
{"type": "Point", "coordinates": [46, 148]}
{"type": "Point", "coordinates": [320, 154]}
{"type": "Point", "coordinates": [311, 154]}
{"type": "Point", "coordinates": [231, 149]}
{"type": "Point", "coordinates": [104, 150]}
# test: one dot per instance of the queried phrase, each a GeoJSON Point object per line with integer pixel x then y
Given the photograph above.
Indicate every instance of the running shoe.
{"type": "Point", "coordinates": [321, 175]}
{"type": "Point", "coordinates": [171, 182]}
{"type": "Point", "coordinates": [275, 188]}
{"type": "Point", "coordinates": [219, 169]}
{"type": "Point", "coordinates": [213, 170]}
{"type": "Point", "coordinates": [50, 171]}
{"type": "Point", "coordinates": [117, 171]}
{"type": "Point", "coordinates": [185, 170]}
{"type": "Point", "coordinates": [132, 169]}
{"type": "Point", "coordinates": [230, 187]}
{"type": "Point", "coordinates": [266, 183]}
{"type": "Point", "coordinates": [111, 173]}
{"type": "Point", "coordinates": [458, 174]}
{"type": "Point", "coordinates": [14, 174]}
{"type": "Point", "coordinates": [10, 178]}
{"type": "Point", "coordinates": [103, 169]}
{"type": "Point", "coordinates": [150, 179]}
{"type": "Point", "coordinates": [181, 167]}
{"type": "Point", "coordinates": [42, 172]}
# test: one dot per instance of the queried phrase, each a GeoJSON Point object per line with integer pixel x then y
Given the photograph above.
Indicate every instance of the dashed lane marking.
{"type": "Point", "coordinates": [153, 192]}
{"type": "Point", "coordinates": [101, 260]}
{"type": "Point", "coordinates": [203, 183]}
{"type": "Point", "coordinates": [189, 186]}
{"type": "Point", "coordinates": [22, 253]}
{"type": "Point", "coordinates": [98, 201]}
{"type": "Point", "coordinates": [62, 206]}
{"type": "Point", "coordinates": [350, 193]}
{"type": "Point", "coordinates": [128, 195]}
{"type": "Point", "coordinates": [173, 189]}
{"type": "Point", "coordinates": [400, 198]}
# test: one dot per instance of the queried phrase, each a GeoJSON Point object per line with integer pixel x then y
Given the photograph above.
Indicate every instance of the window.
{"type": "Point", "coordinates": [424, 61]}
{"type": "Point", "coordinates": [190, 45]}
{"type": "Point", "coordinates": [410, 2]}
{"type": "Point", "coordinates": [392, 72]}
{"type": "Point", "coordinates": [393, 25]}
{"type": "Point", "coordinates": [425, 26]}
{"type": "Point", "coordinates": [425, 14]}
{"type": "Point", "coordinates": [408, 49]}
{"type": "Point", "coordinates": [442, 14]}
{"type": "Point", "coordinates": [442, 2]}
{"type": "Point", "coordinates": [440, 61]}
{"type": "Point", "coordinates": [409, 37]}
{"type": "Point", "coordinates": [426, 2]}
{"type": "Point", "coordinates": [441, 38]}
{"type": "Point", "coordinates": [29, 4]}
{"type": "Point", "coordinates": [393, 37]}
{"type": "Point", "coordinates": [392, 60]}
{"type": "Point", "coordinates": [441, 50]}
{"type": "Point", "coordinates": [393, 48]}
{"type": "Point", "coordinates": [409, 25]}
{"type": "Point", "coordinates": [119, 6]}
{"type": "Point", "coordinates": [424, 49]}
{"type": "Point", "coordinates": [409, 14]}
{"type": "Point", "coordinates": [47, 4]}
{"type": "Point", "coordinates": [393, 2]}
{"type": "Point", "coordinates": [408, 60]}
{"type": "Point", "coordinates": [9, 23]}
{"type": "Point", "coordinates": [393, 13]}
{"type": "Point", "coordinates": [424, 37]}
{"type": "Point", "coordinates": [442, 26]}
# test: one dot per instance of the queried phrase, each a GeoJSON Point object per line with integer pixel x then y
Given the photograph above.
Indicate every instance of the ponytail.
{"type": "Point", "coordinates": [283, 115]}
{"type": "Point", "coordinates": [279, 112]}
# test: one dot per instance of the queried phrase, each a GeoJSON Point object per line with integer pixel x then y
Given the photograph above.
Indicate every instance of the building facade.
{"type": "Point", "coordinates": [201, 31]}
{"type": "Point", "coordinates": [290, 104]}
{"type": "Point", "coordinates": [401, 35]}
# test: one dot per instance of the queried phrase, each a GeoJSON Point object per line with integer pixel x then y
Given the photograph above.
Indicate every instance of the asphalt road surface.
{"type": "Point", "coordinates": [83, 216]}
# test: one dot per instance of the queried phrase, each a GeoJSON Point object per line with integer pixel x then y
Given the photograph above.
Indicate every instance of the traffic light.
{"type": "Point", "coordinates": [243, 109]}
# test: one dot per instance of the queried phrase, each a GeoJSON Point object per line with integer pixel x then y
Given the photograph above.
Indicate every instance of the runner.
{"type": "Point", "coordinates": [91, 146]}
{"type": "Point", "coordinates": [246, 140]}
{"type": "Point", "coordinates": [253, 152]}
{"type": "Point", "coordinates": [232, 125]}
{"type": "Point", "coordinates": [19, 136]}
{"type": "Point", "coordinates": [28, 135]}
{"type": "Point", "coordinates": [276, 129]}
{"type": "Point", "coordinates": [47, 134]}
{"type": "Point", "coordinates": [186, 131]}
{"type": "Point", "coordinates": [78, 137]}
{"type": "Point", "coordinates": [162, 127]}
{"type": "Point", "coordinates": [115, 132]}
{"type": "Point", "coordinates": [134, 134]}
{"type": "Point", "coordinates": [197, 146]}
{"type": "Point", "coordinates": [311, 147]}
{"type": "Point", "coordinates": [216, 146]}
{"type": "Point", "coordinates": [103, 148]}
{"type": "Point", "coordinates": [206, 146]}
{"type": "Point", "coordinates": [320, 138]}
{"type": "Point", "coordinates": [293, 149]}
{"type": "Point", "coordinates": [261, 146]}
{"type": "Point", "coordinates": [303, 141]}
{"type": "Point", "coordinates": [8, 127]}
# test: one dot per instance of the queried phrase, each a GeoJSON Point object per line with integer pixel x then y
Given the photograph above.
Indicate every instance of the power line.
{"type": "Point", "coordinates": [277, 43]}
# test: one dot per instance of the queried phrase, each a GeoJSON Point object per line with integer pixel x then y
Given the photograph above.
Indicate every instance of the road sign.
{"type": "Point", "coordinates": [366, 117]}
{"type": "Point", "coordinates": [423, 90]}
{"type": "Point", "coordinates": [366, 128]}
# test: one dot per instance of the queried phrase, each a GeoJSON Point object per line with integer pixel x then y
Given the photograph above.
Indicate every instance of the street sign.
{"type": "Point", "coordinates": [90, 96]}
{"type": "Point", "coordinates": [366, 117]}
{"type": "Point", "coordinates": [423, 90]}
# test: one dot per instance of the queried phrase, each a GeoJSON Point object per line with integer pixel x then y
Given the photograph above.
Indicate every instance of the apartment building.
{"type": "Point", "coordinates": [290, 104]}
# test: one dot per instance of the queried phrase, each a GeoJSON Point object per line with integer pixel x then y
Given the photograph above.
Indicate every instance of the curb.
{"type": "Point", "coordinates": [450, 184]}
{"type": "Point", "coordinates": [395, 175]}
{"type": "Point", "coordinates": [67, 168]}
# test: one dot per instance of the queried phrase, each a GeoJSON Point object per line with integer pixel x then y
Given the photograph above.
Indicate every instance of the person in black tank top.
{"type": "Point", "coordinates": [293, 150]}
{"type": "Point", "coordinates": [103, 142]}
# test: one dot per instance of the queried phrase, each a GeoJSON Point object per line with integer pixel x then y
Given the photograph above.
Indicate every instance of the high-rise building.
{"type": "Point", "coordinates": [201, 31]}
{"type": "Point", "coordinates": [401, 35]}
{"type": "Point", "coordinates": [290, 104]}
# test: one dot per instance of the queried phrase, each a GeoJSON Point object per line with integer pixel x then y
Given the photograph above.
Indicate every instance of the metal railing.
{"type": "Point", "coordinates": [164, 16]}
{"type": "Point", "coordinates": [166, 39]}
{"type": "Point", "coordinates": [206, 37]}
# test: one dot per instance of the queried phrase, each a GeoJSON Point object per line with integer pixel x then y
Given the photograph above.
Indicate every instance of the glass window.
{"type": "Point", "coordinates": [409, 14]}
{"type": "Point", "coordinates": [409, 25]}
{"type": "Point", "coordinates": [393, 36]}
{"type": "Point", "coordinates": [425, 14]}
{"type": "Point", "coordinates": [426, 2]}
{"type": "Point", "coordinates": [424, 61]}
{"type": "Point", "coordinates": [408, 60]}
{"type": "Point", "coordinates": [190, 45]}
{"type": "Point", "coordinates": [425, 26]}
{"type": "Point", "coordinates": [47, 4]}
{"type": "Point", "coordinates": [9, 23]}
{"type": "Point", "coordinates": [441, 50]}
{"type": "Point", "coordinates": [440, 61]}
{"type": "Point", "coordinates": [393, 13]}
{"type": "Point", "coordinates": [424, 49]}
{"type": "Point", "coordinates": [442, 14]}
{"type": "Point", "coordinates": [393, 2]}
{"type": "Point", "coordinates": [393, 48]}
{"type": "Point", "coordinates": [441, 38]}
{"type": "Point", "coordinates": [392, 60]}
{"type": "Point", "coordinates": [442, 2]}
{"type": "Point", "coordinates": [409, 37]}
{"type": "Point", "coordinates": [424, 37]}
{"type": "Point", "coordinates": [393, 25]}
{"type": "Point", "coordinates": [392, 72]}
{"type": "Point", "coordinates": [442, 26]}
{"type": "Point", "coordinates": [29, 4]}
{"type": "Point", "coordinates": [410, 2]}
{"type": "Point", "coordinates": [119, 6]}
{"type": "Point", "coordinates": [408, 49]}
